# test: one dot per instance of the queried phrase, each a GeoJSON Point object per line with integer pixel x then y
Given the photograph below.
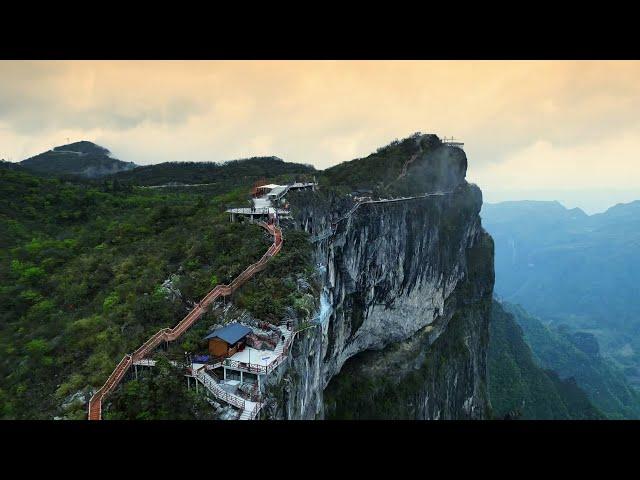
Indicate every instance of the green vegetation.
{"type": "Point", "coordinates": [412, 166]}
{"type": "Point", "coordinates": [355, 394]}
{"type": "Point", "coordinates": [570, 268]}
{"type": "Point", "coordinates": [374, 171]}
{"type": "Point", "coordinates": [268, 295]}
{"type": "Point", "coordinates": [519, 388]}
{"type": "Point", "coordinates": [159, 393]}
{"type": "Point", "coordinates": [227, 175]}
{"type": "Point", "coordinates": [577, 355]}
{"type": "Point", "coordinates": [82, 268]}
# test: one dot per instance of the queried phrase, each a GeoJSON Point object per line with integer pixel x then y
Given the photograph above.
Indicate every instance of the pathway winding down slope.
{"type": "Point", "coordinates": [172, 334]}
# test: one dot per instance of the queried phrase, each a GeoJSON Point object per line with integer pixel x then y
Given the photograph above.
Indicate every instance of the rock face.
{"type": "Point", "coordinates": [407, 290]}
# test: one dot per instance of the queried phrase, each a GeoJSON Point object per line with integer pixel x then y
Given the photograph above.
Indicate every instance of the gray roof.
{"type": "Point", "coordinates": [277, 191]}
{"type": "Point", "coordinates": [230, 334]}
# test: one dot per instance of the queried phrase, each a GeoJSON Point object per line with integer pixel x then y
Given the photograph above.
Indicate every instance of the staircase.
{"type": "Point", "coordinates": [280, 347]}
{"type": "Point", "coordinates": [251, 411]}
{"type": "Point", "coordinates": [172, 334]}
{"type": "Point", "coordinates": [218, 392]}
{"type": "Point", "coordinates": [248, 410]}
{"type": "Point", "coordinates": [245, 415]}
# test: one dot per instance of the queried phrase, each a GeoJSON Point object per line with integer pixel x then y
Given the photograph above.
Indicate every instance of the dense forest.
{"type": "Point", "coordinates": [575, 270]}
{"type": "Point", "coordinates": [520, 388]}
{"type": "Point", "coordinates": [158, 394]}
{"type": "Point", "coordinates": [412, 166]}
{"type": "Point", "coordinates": [234, 173]}
{"type": "Point", "coordinates": [577, 355]}
{"type": "Point", "coordinates": [89, 271]}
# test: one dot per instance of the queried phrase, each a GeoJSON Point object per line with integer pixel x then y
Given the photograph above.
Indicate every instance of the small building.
{"type": "Point", "coordinates": [265, 189]}
{"type": "Point", "coordinates": [226, 341]}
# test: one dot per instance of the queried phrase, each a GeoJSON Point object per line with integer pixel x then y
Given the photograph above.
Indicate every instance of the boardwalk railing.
{"type": "Point", "coordinates": [218, 391]}
{"type": "Point", "coordinates": [95, 404]}
{"type": "Point", "coordinates": [172, 334]}
{"type": "Point", "coordinates": [331, 231]}
{"type": "Point", "coordinates": [254, 411]}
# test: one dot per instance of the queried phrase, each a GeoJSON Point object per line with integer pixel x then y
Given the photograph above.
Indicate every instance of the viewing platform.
{"type": "Point", "coordinates": [452, 143]}
{"type": "Point", "coordinates": [256, 213]}
{"type": "Point", "coordinates": [238, 379]}
{"type": "Point", "coordinates": [266, 198]}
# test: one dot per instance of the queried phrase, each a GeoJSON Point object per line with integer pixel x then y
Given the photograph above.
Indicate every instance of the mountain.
{"type": "Point", "coordinates": [5, 165]}
{"type": "Point", "coordinates": [577, 355]}
{"type": "Point", "coordinates": [234, 173]}
{"type": "Point", "coordinates": [520, 387]}
{"type": "Point", "coordinates": [398, 291]}
{"type": "Point", "coordinates": [83, 159]}
{"type": "Point", "coordinates": [573, 269]}
{"type": "Point", "coordinates": [417, 164]}
{"type": "Point", "coordinates": [89, 271]}
{"type": "Point", "coordinates": [407, 284]}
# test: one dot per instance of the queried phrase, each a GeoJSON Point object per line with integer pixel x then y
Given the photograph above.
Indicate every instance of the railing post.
{"type": "Point", "coordinates": [168, 334]}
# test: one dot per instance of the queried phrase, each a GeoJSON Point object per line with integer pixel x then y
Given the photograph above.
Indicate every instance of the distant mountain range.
{"type": "Point", "coordinates": [573, 269]}
{"type": "Point", "coordinates": [84, 159]}
{"type": "Point", "coordinates": [520, 386]}
{"type": "Point", "coordinates": [571, 360]}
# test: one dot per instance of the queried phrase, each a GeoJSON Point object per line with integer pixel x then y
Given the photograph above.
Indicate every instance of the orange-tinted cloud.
{"type": "Point", "coordinates": [524, 122]}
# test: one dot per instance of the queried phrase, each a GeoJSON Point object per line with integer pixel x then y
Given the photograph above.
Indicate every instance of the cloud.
{"type": "Point", "coordinates": [37, 97]}
{"type": "Point", "coordinates": [524, 123]}
{"type": "Point", "coordinates": [610, 162]}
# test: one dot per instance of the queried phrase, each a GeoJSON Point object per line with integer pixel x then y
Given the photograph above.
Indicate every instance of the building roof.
{"type": "Point", "coordinates": [269, 186]}
{"type": "Point", "coordinates": [230, 334]}
{"type": "Point", "coordinates": [277, 191]}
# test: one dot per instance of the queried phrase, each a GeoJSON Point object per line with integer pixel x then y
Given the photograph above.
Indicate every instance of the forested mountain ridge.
{"type": "Point", "coordinates": [88, 272]}
{"type": "Point", "coordinates": [234, 173]}
{"type": "Point", "coordinates": [414, 165]}
{"type": "Point", "coordinates": [570, 268]}
{"type": "Point", "coordinates": [84, 159]}
{"type": "Point", "coordinates": [87, 160]}
{"type": "Point", "coordinates": [519, 387]}
{"type": "Point", "coordinates": [89, 268]}
{"type": "Point", "coordinates": [577, 355]}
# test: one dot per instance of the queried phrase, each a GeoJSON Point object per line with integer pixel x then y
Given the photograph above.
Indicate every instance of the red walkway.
{"type": "Point", "coordinates": [171, 334]}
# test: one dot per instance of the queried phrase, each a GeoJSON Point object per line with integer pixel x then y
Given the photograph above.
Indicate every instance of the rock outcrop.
{"type": "Point", "coordinates": [407, 290]}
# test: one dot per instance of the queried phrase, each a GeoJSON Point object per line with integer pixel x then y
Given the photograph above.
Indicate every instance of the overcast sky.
{"type": "Point", "coordinates": [532, 129]}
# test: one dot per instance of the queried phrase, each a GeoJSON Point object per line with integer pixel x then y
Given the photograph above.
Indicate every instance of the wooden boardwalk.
{"type": "Point", "coordinates": [172, 334]}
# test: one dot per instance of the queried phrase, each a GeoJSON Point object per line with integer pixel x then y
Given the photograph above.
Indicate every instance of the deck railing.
{"type": "Point", "coordinates": [218, 391]}
{"type": "Point", "coordinates": [172, 334]}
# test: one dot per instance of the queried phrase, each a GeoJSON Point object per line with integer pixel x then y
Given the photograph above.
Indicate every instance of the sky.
{"type": "Point", "coordinates": [539, 130]}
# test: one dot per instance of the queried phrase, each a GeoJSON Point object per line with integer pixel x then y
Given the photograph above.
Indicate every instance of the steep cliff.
{"type": "Point", "coordinates": [402, 330]}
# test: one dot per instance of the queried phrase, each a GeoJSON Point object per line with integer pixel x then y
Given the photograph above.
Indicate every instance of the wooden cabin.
{"type": "Point", "coordinates": [227, 340]}
{"type": "Point", "coordinates": [257, 190]}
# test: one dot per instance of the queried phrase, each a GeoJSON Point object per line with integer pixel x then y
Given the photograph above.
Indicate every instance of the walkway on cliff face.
{"type": "Point", "coordinates": [172, 334]}
{"type": "Point", "coordinates": [334, 224]}
{"type": "Point", "coordinates": [248, 409]}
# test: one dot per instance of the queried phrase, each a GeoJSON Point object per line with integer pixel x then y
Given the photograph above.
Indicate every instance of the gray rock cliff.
{"type": "Point", "coordinates": [403, 319]}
